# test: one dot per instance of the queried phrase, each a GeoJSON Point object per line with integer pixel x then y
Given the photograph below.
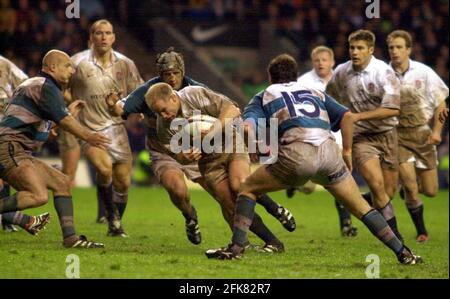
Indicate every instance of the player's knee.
{"type": "Point", "coordinates": [62, 184]}
{"type": "Point", "coordinates": [245, 187]}
{"type": "Point", "coordinates": [178, 190]}
{"type": "Point", "coordinates": [430, 191]}
{"type": "Point", "coordinates": [236, 184]}
{"type": "Point", "coordinates": [122, 185]}
{"type": "Point", "coordinates": [377, 186]}
{"type": "Point", "coordinates": [104, 171]}
{"type": "Point", "coordinates": [391, 192]}
{"type": "Point", "coordinates": [40, 198]}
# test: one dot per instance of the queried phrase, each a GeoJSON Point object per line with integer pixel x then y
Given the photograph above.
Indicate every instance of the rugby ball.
{"type": "Point", "coordinates": [198, 123]}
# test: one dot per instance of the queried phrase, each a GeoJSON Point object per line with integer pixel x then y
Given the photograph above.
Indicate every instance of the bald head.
{"type": "Point", "coordinates": [158, 91]}
{"type": "Point", "coordinates": [54, 57]}
{"type": "Point", "coordinates": [162, 100]}
{"type": "Point", "coordinates": [57, 64]}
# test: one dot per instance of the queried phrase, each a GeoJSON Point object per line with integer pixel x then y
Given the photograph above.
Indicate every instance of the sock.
{"type": "Point", "coordinates": [4, 192]}
{"type": "Point", "coordinates": [192, 215]}
{"type": "Point", "coordinates": [105, 194]}
{"type": "Point", "coordinates": [269, 204]}
{"type": "Point", "coordinates": [389, 216]}
{"type": "Point", "coordinates": [8, 204]}
{"type": "Point", "coordinates": [16, 218]}
{"type": "Point", "coordinates": [64, 208]}
{"type": "Point", "coordinates": [368, 197]}
{"type": "Point", "coordinates": [260, 229]}
{"type": "Point", "coordinates": [120, 201]}
{"type": "Point", "coordinates": [344, 215]}
{"type": "Point", "coordinates": [101, 212]}
{"type": "Point", "coordinates": [244, 212]}
{"type": "Point", "coordinates": [417, 217]}
{"type": "Point", "coordinates": [380, 229]}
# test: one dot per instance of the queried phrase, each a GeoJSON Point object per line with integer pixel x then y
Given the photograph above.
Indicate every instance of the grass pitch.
{"type": "Point", "coordinates": [158, 247]}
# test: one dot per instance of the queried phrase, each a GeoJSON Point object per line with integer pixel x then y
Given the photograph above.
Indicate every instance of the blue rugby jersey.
{"type": "Point", "coordinates": [311, 111]}
{"type": "Point", "coordinates": [35, 103]}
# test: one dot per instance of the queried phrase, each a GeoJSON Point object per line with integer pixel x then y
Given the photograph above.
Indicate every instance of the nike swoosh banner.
{"type": "Point", "coordinates": [242, 34]}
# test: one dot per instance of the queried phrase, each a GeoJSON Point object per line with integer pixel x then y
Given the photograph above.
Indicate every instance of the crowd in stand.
{"type": "Point", "coordinates": [309, 23]}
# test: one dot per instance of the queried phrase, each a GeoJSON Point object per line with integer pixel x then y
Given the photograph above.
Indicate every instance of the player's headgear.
{"type": "Point", "coordinates": [169, 60]}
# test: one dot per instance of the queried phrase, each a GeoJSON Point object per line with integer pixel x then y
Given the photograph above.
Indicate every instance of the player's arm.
{"type": "Point", "coordinates": [255, 121]}
{"type": "Point", "coordinates": [442, 116]}
{"type": "Point", "coordinates": [115, 104]}
{"type": "Point", "coordinates": [71, 125]}
{"type": "Point", "coordinates": [379, 113]}
{"type": "Point", "coordinates": [437, 91]}
{"type": "Point", "coordinates": [435, 137]}
{"type": "Point", "coordinates": [346, 125]}
{"type": "Point", "coordinates": [341, 119]}
{"type": "Point", "coordinates": [54, 109]}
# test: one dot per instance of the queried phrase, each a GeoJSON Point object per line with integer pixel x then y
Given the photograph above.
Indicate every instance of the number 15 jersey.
{"type": "Point", "coordinates": [310, 112]}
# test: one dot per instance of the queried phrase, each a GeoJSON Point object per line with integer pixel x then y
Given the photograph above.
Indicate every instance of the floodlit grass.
{"type": "Point", "coordinates": [158, 247]}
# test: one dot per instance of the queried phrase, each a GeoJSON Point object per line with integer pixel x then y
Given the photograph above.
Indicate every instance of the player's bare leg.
{"type": "Point", "coordinates": [239, 170]}
{"type": "Point", "coordinates": [348, 193]}
{"type": "Point", "coordinates": [70, 161]}
{"type": "Point", "coordinates": [372, 173]}
{"type": "Point", "coordinates": [260, 182]}
{"type": "Point", "coordinates": [390, 179]}
{"type": "Point", "coordinates": [62, 199]}
{"type": "Point", "coordinates": [428, 181]}
{"type": "Point", "coordinates": [412, 199]}
{"type": "Point", "coordinates": [173, 181]}
{"type": "Point", "coordinates": [10, 219]}
{"type": "Point", "coordinates": [102, 163]}
{"type": "Point", "coordinates": [121, 184]}
{"type": "Point", "coordinates": [226, 199]}
{"type": "Point", "coordinates": [32, 191]}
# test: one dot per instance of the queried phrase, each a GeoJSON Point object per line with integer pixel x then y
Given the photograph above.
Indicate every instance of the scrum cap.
{"type": "Point", "coordinates": [169, 60]}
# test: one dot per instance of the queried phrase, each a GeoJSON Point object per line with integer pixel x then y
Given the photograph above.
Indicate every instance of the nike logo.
{"type": "Point", "coordinates": [203, 35]}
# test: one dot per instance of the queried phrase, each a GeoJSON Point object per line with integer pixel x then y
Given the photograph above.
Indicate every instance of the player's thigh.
{"type": "Point", "coordinates": [100, 159]}
{"type": "Point", "coordinates": [225, 196]}
{"type": "Point", "coordinates": [347, 192]}
{"type": "Point", "coordinates": [372, 173]}
{"type": "Point", "coordinates": [70, 161]}
{"type": "Point", "coordinates": [26, 177]}
{"type": "Point", "coordinates": [390, 180]}
{"type": "Point", "coordinates": [122, 173]}
{"type": "Point", "coordinates": [54, 179]}
{"type": "Point", "coordinates": [428, 180]}
{"type": "Point", "coordinates": [238, 171]}
{"type": "Point", "coordinates": [407, 175]}
{"type": "Point", "coordinates": [172, 179]}
{"type": "Point", "coordinates": [201, 182]}
{"type": "Point", "coordinates": [261, 181]}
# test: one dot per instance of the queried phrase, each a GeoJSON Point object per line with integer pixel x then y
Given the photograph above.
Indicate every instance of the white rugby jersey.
{"type": "Point", "coordinates": [374, 87]}
{"type": "Point", "coordinates": [421, 92]}
{"type": "Point", "coordinates": [10, 77]}
{"type": "Point", "coordinates": [92, 84]}
{"type": "Point", "coordinates": [312, 80]}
